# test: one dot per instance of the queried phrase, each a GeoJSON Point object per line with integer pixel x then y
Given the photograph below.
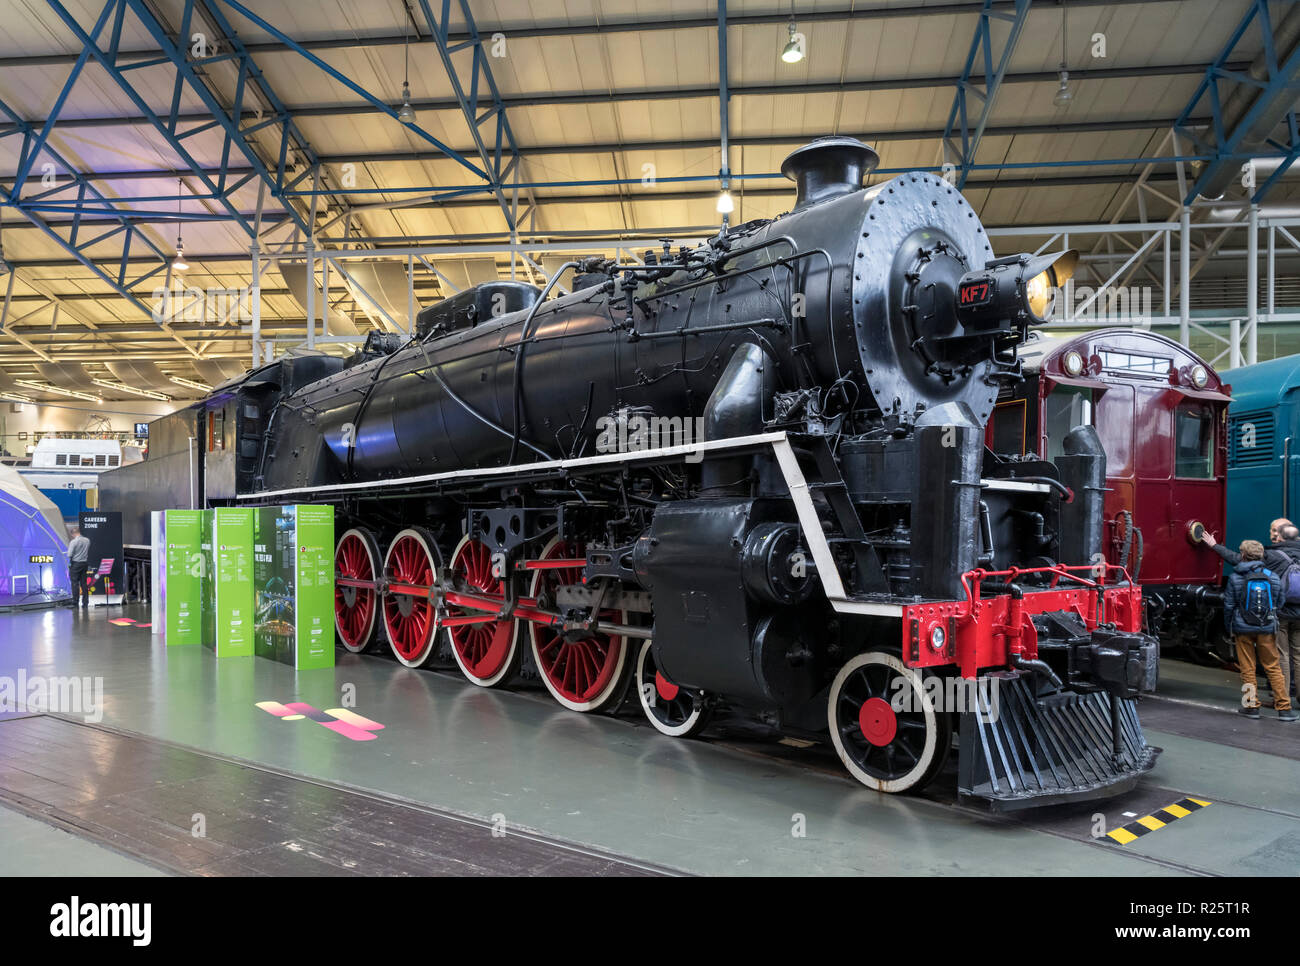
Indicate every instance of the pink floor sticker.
{"type": "Point", "coordinates": [339, 720]}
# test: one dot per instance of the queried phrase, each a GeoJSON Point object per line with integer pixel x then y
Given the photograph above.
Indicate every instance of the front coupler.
{"type": "Point", "coordinates": [1058, 664]}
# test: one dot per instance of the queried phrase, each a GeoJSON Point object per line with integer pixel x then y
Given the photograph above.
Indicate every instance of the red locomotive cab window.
{"type": "Point", "coordinates": [1064, 408]}
{"type": "Point", "coordinates": [1194, 442]}
{"type": "Point", "coordinates": [1113, 419]}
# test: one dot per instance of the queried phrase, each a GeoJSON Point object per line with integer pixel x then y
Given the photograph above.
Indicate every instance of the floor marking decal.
{"type": "Point", "coordinates": [1149, 823]}
{"type": "Point", "coordinates": [339, 720]}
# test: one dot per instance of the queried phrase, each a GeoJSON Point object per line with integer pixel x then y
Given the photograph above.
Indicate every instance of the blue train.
{"type": "Point", "coordinates": [1263, 447]}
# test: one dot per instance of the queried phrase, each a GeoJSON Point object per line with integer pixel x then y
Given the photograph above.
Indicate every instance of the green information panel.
{"type": "Point", "coordinates": [182, 538]}
{"type": "Point", "coordinates": [315, 576]}
{"type": "Point", "coordinates": [293, 577]}
{"type": "Point", "coordinates": [207, 582]}
{"type": "Point", "coordinates": [232, 541]}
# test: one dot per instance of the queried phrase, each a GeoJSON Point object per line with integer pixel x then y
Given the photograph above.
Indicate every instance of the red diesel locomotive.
{"type": "Point", "coordinates": [1160, 412]}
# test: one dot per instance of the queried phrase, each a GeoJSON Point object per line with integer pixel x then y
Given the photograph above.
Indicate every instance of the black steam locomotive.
{"type": "Point", "coordinates": [750, 473]}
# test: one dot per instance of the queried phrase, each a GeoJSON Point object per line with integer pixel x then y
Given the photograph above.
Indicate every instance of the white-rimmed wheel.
{"type": "Point", "coordinates": [586, 672]}
{"type": "Point", "coordinates": [672, 710]}
{"type": "Point", "coordinates": [411, 569]}
{"type": "Point", "coordinates": [488, 652]}
{"type": "Point", "coordinates": [889, 736]}
{"type": "Point", "coordinates": [356, 609]}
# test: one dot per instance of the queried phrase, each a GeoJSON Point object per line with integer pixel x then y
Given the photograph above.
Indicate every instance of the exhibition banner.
{"type": "Point", "coordinates": [157, 571]}
{"type": "Point", "coordinates": [106, 556]}
{"type": "Point", "coordinates": [273, 581]}
{"type": "Point", "coordinates": [315, 590]}
{"type": "Point", "coordinates": [207, 582]}
{"type": "Point", "coordinates": [293, 575]}
{"type": "Point", "coordinates": [233, 609]}
{"type": "Point", "coordinates": [182, 540]}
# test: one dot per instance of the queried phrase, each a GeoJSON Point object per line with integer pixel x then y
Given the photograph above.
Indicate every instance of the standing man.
{"type": "Point", "coordinates": [78, 562]}
{"type": "Point", "coordinates": [1250, 603]}
{"type": "Point", "coordinates": [1288, 616]}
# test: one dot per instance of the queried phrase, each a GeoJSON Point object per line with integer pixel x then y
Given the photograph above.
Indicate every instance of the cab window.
{"type": "Point", "coordinates": [1194, 442]}
{"type": "Point", "coordinates": [1009, 428]}
{"type": "Point", "coordinates": [1065, 408]}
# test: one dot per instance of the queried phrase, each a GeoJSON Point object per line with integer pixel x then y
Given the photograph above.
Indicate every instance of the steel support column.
{"type": "Point", "coordinates": [724, 96]}
{"type": "Point", "coordinates": [1185, 277]}
{"type": "Point", "coordinates": [1252, 287]}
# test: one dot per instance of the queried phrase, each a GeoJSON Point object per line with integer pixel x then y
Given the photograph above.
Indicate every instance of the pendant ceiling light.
{"type": "Point", "coordinates": [406, 113]}
{"type": "Point", "coordinates": [793, 52]}
{"type": "Point", "coordinates": [1063, 93]}
{"type": "Point", "coordinates": [178, 263]}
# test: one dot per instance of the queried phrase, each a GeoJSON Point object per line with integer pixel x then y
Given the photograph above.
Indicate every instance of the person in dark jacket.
{"type": "Point", "coordinates": [1274, 559]}
{"type": "Point", "coordinates": [1284, 552]}
{"type": "Point", "coordinates": [78, 564]}
{"type": "Point", "coordinates": [1255, 633]}
{"type": "Point", "coordinates": [1288, 616]}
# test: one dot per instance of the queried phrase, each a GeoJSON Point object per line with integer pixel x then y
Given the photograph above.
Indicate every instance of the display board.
{"type": "Point", "coordinates": [315, 576]}
{"type": "Point", "coordinates": [106, 558]}
{"type": "Point", "coordinates": [182, 570]}
{"type": "Point", "coordinates": [157, 571]}
{"type": "Point", "coordinates": [207, 583]}
{"type": "Point", "coordinates": [232, 600]}
{"type": "Point", "coordinates": [293, 574]}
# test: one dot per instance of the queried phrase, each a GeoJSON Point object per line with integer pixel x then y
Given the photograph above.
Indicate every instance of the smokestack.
{"type": "Point", "coordinates": [827, 168]}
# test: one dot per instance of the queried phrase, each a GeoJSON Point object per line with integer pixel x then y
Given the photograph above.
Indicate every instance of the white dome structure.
{"type": "Point", "coordinates": [33, 545]}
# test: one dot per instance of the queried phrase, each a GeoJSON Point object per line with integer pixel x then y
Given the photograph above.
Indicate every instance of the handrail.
{"type": "Point", "coordinates": [972, 580]}
{"type": "Point", "coordinates": [1286, 477]}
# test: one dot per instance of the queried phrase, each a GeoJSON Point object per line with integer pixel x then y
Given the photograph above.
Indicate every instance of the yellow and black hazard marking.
{"type": "Point", "coordinates": [1149, 823]}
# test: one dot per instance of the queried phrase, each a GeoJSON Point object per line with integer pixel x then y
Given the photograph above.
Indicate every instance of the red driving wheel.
{"type": "Point", "coordinates": [583, 674]}
{"type": "Point", "coordinates": [488, 652]}
{"type": "Point", "coordinates": [355, 608]}
{"type": "Point", "coordinates": [409, 615]}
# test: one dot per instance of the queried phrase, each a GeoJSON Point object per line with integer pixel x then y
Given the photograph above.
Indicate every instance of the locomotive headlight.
{"type": "Point", "coordinates": [938, 638]}
{"type": "Point", "coordinates": [1073, 363]}
{"type": "Point", "coordinates": [1199, 376]}
{"type": "Point", "coordinates": [1013, 291]}
{"type": "Point", "coordinates": [1038, 295]}
{"type": "Point", "coordinates": [1045, 275]}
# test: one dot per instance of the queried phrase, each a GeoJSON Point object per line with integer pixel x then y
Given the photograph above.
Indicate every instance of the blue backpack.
{"type": "Point", "coordinates": [1291, 588]}
{"type": "Point", "coordinates": [1257, 602]}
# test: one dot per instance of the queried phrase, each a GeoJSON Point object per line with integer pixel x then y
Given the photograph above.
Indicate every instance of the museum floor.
{"type": "Point", "coordinates": [183, 746]}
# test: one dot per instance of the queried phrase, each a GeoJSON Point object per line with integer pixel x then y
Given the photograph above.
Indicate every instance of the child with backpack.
{"type": "Point", "coordinates": [1250, 605]}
